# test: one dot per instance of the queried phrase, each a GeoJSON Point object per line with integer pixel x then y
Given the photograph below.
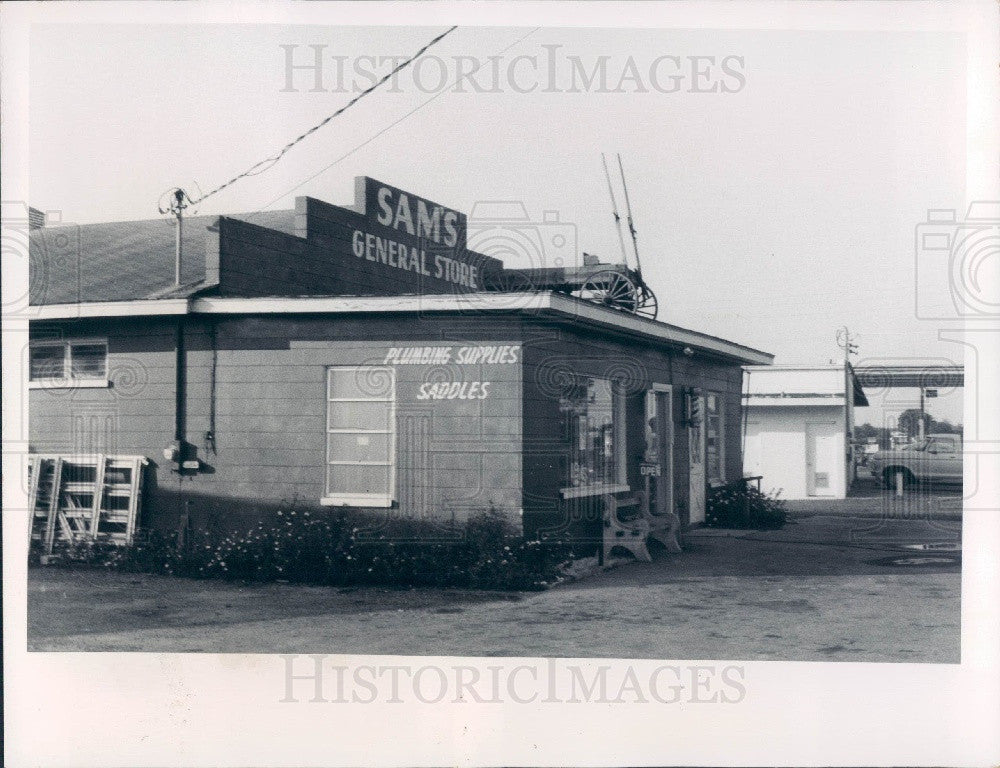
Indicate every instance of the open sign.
{"type": "Point", "coordinates": [649, 469]}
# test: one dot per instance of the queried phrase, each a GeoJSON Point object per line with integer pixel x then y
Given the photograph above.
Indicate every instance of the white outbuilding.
{"type": "Point", "coordinates": [799, 422]}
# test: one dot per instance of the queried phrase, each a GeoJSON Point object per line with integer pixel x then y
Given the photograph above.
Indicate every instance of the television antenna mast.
{"type": "Point", "coordinates": [179, 201]}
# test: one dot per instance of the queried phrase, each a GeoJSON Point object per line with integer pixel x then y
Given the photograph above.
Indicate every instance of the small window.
{"type": "Point", "coordinates": [48, 362]}
{"type": "Point", "coordinates": [360, 440]}
{"type": "Point", "coordinates": [714, 439]}
{"type": "Point", "coordinates": [88, 361]}
{"type": "Point", "coordinates": [68, 363]}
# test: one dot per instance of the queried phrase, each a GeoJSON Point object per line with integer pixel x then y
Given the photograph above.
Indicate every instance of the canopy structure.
{"type": "Point", "coordinates": [878, 376]}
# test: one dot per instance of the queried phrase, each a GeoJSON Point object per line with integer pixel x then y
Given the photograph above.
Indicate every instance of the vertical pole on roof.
{"type": "Point", "coordinates": [614, 209]}
{"type": "Point", "coordinates": [176, 208]}
{"type": "Point", "coordinates": [628, 210]}
{"type": "Point", "coordinates": [179, 206]}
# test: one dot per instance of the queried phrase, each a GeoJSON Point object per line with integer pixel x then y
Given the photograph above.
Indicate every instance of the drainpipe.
{"type": "Point", "coordinates": [180, 384]}
{"type": "Point", "coordinates": [180, 451]}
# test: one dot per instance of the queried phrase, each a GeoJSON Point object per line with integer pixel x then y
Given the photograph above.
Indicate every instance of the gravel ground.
{"type": "Point", "coordinates": [827, 587]}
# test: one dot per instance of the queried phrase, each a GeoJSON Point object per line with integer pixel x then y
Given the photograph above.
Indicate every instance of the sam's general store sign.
{"type": "Point", "coordinates": [414, 236]}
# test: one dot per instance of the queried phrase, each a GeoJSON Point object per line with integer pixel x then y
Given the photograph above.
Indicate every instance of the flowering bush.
{"type": "Point", "coordinates": [739, 506]}
{"type": "Point", "coordinates": [320, 549]}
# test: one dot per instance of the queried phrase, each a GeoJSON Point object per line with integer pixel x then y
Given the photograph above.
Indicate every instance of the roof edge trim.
{"type": "Point", "coordinates": [140, 308]}
{"type": "Point", "coordinates": [527, 302]}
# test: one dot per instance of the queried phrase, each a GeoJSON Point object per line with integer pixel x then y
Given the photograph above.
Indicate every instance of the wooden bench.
{"type": "Point", "coordinates": [666, 529]}
{"type": "Point", "coordinates": [626, 525]}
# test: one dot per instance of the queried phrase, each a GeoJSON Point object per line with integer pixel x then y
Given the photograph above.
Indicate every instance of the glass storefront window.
{"type": "Point", "coordinates": [591, 408]}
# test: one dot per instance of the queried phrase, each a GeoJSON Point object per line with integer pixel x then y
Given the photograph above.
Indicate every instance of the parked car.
{"type": "Point", "coordinates": [935, 459]}
{"type": "Point", "coordinates": [863, 452]}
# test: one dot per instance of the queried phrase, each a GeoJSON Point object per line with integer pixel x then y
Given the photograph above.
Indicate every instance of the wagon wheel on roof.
{"type": "Point", "coordinates": [647, 306]}
{"type": "Point", "coordinates": [611, 289]}
{"type": "Point", "coordinates": [508, 281]}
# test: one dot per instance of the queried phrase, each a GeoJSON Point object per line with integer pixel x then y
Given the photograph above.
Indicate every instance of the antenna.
{"type": "Point", "coordinates": [179, 202]}
{"type": "Point", "coordinates": [631, 226]}
{"type": "Point", "coordinates": [614, 208]}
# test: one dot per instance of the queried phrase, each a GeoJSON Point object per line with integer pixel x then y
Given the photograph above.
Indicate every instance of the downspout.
{"type": "Point", "coordinates": [180, 388]}
{"type": "Point", "coordinates": [213, 379]}
{"type": "Point", "coordinates": [180, 452]}
{"type": "Point", "coordinates": [175, 452]}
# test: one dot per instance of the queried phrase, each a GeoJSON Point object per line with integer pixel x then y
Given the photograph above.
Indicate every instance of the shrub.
{"type": "Point", "coordinates": [739, 506]}
{"type": "Point", "coordinates": [302, 548]}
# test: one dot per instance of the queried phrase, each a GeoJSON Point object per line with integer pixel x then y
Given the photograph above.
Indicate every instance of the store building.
{"type": "Point", "coordinates": [362, 356]}
{"type": "Point", "coordinates": [799, 422]}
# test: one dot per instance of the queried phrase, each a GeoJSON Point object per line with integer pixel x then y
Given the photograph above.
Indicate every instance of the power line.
{"type": "Point", "coordinates": [269, 162]}
{"type": "Point", "coordinates": [387, 128]}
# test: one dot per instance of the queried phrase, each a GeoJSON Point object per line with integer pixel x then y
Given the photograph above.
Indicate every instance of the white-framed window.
{"type": "Point", "coordinates": [77, 363]}
{"type": "Point", "coordinates": [360, 436]}
{"type": "Point", "coordinates": [715, 439]}
{"type": "Point", "coordinates": [595, 414]}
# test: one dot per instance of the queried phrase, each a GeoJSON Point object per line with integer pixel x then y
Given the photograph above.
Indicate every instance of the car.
{"type": "Point", "coordinates": [934, 459]}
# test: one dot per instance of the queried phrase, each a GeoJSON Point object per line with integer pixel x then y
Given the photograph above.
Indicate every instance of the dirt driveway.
{"type": "Point", "coordinates": [825, 588]}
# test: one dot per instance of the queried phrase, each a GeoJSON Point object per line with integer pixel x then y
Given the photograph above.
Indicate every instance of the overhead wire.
{"type": "Point", "coordinates": [269, 162]}
{"type": "Point", "coordinates": [387, 128]}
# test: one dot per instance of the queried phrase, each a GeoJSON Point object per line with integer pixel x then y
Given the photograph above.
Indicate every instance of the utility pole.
{"type": "Point", "coordinates": [844, 341]}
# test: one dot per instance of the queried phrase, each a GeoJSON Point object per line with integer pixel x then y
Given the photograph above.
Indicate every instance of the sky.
{"type": "Point", "coordinates": [769, 212]}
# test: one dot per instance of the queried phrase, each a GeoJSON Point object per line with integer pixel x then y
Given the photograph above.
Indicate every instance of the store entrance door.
{"type": "Point", "coordinates": [658, 458]}
{"type": "Point", "coordinates": [821, 458]}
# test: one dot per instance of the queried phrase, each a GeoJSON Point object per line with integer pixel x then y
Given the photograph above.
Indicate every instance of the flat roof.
{"type": "Point", "coordinates": [799, 385]}
{"type": "Point", "coordinates": [550, 303]}
{"type": "Point", "coordinates": [931, 374]}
